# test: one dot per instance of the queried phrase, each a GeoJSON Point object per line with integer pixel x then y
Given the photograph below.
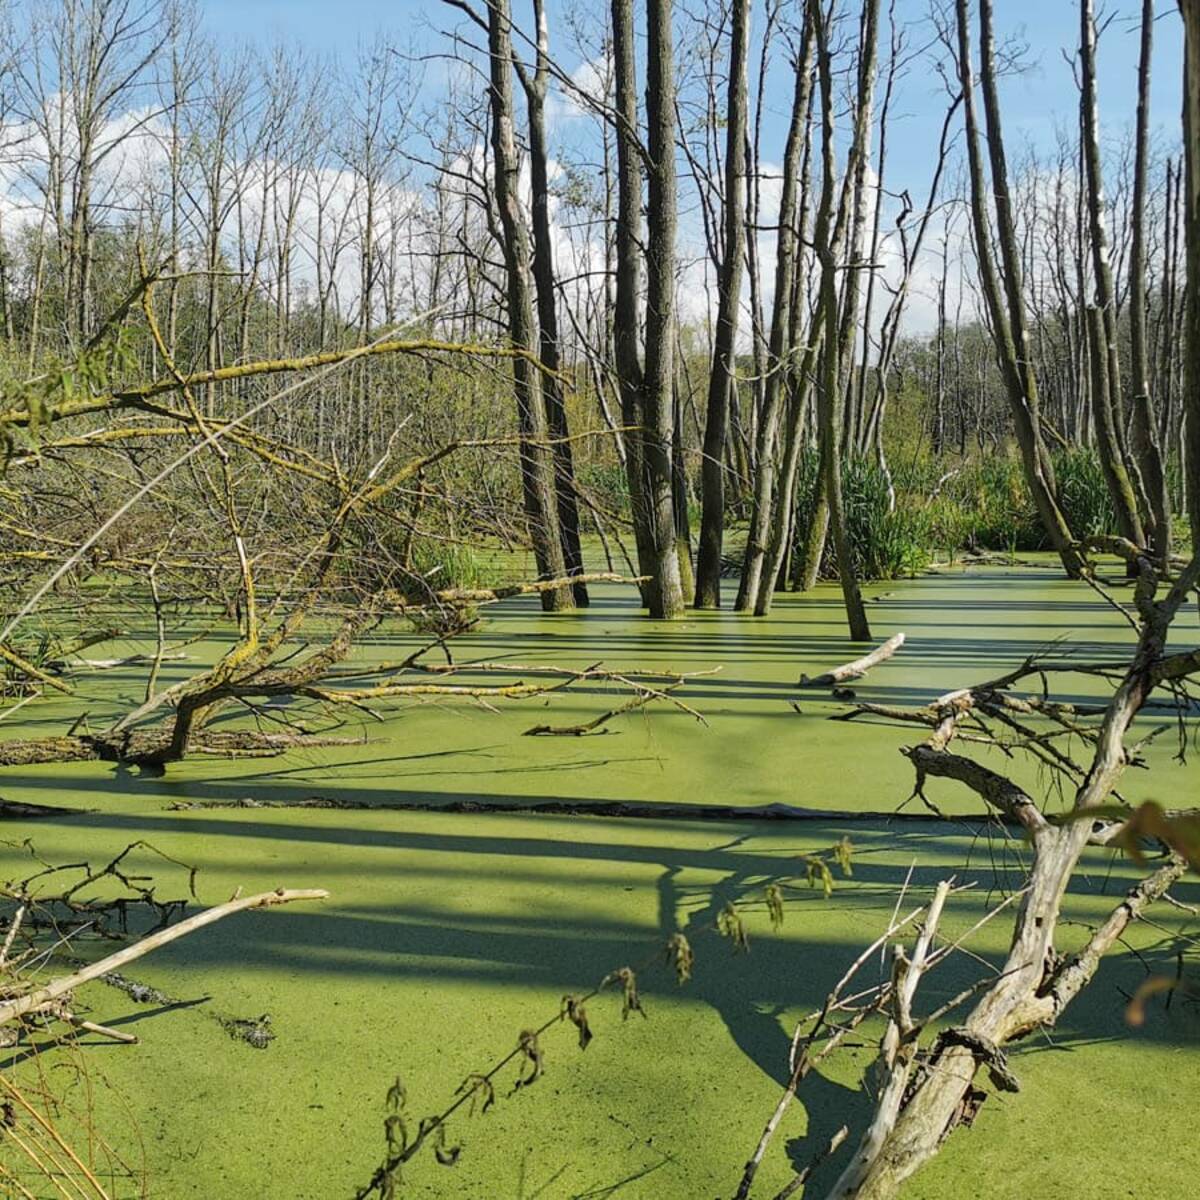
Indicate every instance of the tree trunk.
{"type": "Point", "coordinates": [625, 322]}
{"type": "Point", "coordinates": [1006, 311]}
{"type": "Point", "coordinates": [547, 308]}
{"type": "Point", "coordinates": [537, 466]}
{"type": "Point", "coordinates": [1146, 445]}
{"type": "Point", "coordinates": [666, 595]}
{"type": "Point", "coordinates": [1103, 336]}
{"type": "Point", "coordinates": [1191, 357]}
{"type": "Point", "coordinates": [829, 394]}
{"type": "Point", "coordinates": [729, 292]}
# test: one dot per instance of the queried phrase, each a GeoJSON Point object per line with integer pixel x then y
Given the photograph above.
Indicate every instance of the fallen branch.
{"type": "Point", "coordinates": [10, 1010]}
{"type": "Point", "coordinates": [858, 668]}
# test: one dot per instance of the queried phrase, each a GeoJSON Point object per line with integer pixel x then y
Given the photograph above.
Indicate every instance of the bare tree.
{"type": "Point", "coordinates": [1006, 309]}
{"type": "Point", "coordinates": [536, 85]}
{"type": "Point", "coordinates": [729, 298]}
{"type": "Point", "coordinates": [1191, 186]}
{"type": "Point", "coordinates": [647, 388]}
{"type": "Point", "coordinates": [1145, 433]}
{"type": "Point", "coordinates": [1103, 338]}
{"type": "Point", "coordinates": [537, 466]}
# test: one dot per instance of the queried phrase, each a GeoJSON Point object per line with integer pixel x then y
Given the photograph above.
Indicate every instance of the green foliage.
{"type": "Point", "coordinates": [1083, 494]}
{"type": "Point", "coordinates": [439, 564]}
{"type": "Point", "coordinates": [888, 542]}
{"type": "Point", "coordinates": [605, 484]}
{"type": "Point", "coordinates": [937, 513]}
{"type": "Point", "coordinates": [434, 565]}
{"type": "Point", "coordinates": [58, 383]}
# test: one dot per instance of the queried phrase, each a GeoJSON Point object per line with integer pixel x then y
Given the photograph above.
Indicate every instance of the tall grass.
{"type": "Point", "coordinates": [939, 514]}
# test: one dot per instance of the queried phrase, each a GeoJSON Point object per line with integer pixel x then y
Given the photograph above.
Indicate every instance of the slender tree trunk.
{"type": "Point", "coordinates": [1105, 419]}
{"type": "Point", "coordinates": [1006, 310]}
{"type": "Point", "coordinates": [1191, 357]}
{"type": "Point", "coordinates": [536, 87]}
{"type": "Point", "coordinates": [666, 595]}
{"type": "Point", "coordinates": [625, 319]}
{"type": "Point", "coordinates": [757, 575]}
{"type": "Point", "coordinates": [537, 465]}
{"type": "Point", "coordinates": [729, 291]}
{"type": "Point", "coordinates": [1146, 444]}
{"type": "Point", "coordinates": [1103, 338]}
{"type": "Point", "coordinates": [679, 492]}
{"type": "Point", "coordinates": [829, 389]}
{"type": "Point", "coordinates": [795, 379]}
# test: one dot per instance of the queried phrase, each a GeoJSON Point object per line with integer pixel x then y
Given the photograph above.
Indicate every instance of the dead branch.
{"type": "Point", "coordinates": [858, 668]}
{"type": "Point", "coordinates": [38, 998]}
{"type": "Point", "coordinates": [915, 1110]}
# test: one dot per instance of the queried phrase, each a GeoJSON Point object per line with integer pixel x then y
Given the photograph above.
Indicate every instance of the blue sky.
{"type": "Point", "coordinates": [1037, 103]}
{"type": "Point", "coordinates": [1033, 103]}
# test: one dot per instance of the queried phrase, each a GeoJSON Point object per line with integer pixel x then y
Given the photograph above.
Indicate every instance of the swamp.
{"type": "Point", "coordinates": [600, 605]}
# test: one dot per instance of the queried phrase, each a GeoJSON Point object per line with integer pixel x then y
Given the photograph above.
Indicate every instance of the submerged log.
{"type": "Point", "coordinates": [153, 746]}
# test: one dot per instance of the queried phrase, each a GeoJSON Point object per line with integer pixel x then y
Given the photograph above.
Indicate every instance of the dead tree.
{"type": "Point", "coordinates": [795, 377]}
{"type": "Point", "coordinates": [924, 1082]}
{"type": "Point", "coordinates": [1123, 485]}
{"type": "Point", "coordinates": [1145, 433]}
{"type": "Point", "coordinates": [1191, 146]}
{"type": "Point", "coordinates": [536, 85]}
{"type": "Point", "coordinates": [830, 393]}
{"type": "Point", "coordinates": [842, 327]}
{"type": "Point", "coordinates": [786, 388]}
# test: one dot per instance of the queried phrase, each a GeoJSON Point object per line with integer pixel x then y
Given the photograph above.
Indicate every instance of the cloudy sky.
{"type": "Point", "coordinates": [1039, 102]}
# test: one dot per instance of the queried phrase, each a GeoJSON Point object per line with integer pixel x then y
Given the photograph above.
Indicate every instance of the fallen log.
{"type": "Point", "coordinates": [151, 746]}
{"type": "Point", "coordinates": [858, 668]}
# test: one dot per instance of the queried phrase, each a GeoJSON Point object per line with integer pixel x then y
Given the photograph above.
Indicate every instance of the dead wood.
{"type": "Point", "coordinates": [41, 999]}
{"type": "Point", "coordinates": [858, 667]}
{"type": "Point", "coordinates": [922, 1095]}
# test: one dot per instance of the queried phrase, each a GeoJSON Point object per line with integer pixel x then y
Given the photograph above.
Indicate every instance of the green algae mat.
{"type": "Point", "coordinates": [448, 933]}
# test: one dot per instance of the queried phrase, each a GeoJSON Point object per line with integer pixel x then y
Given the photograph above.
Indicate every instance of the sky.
{"type": "Point", "coordinates": [1044, 94]}
{"type": "Point", "coordinates": [1037, 102]}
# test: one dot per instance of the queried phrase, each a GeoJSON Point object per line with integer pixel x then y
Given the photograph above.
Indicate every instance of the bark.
{"type": "Point", "coordinates": [860, 160]}
{"type": "Point", "coordinates": [666, 593]}
{"type": "Point", "coordinates": [775, 483]}
{"type": "Point", "coordinates": [32, 1000]}
{"type": "Point", "coordinates": [1036, 982]}
{"type": "Point", "coordinates": [829, 389]}
{"type": "Point", "coordinates": [536, 86]}
{"type": "Point", "coordinates": [1108, 445]}
{"type": "Point", "coordinates": [625, 322]}
{"type": "Point", "coordinates": [1191, 369]}
{"type": "Point", "coordinates": [858, 668]}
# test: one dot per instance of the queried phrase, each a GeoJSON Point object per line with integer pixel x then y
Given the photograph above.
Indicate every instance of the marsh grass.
{"type": "Point", "coordinates": [928, 513]}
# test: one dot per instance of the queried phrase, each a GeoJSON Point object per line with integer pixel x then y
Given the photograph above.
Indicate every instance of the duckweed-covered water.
{"type": "Point", "coordinates": [446, 934]}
